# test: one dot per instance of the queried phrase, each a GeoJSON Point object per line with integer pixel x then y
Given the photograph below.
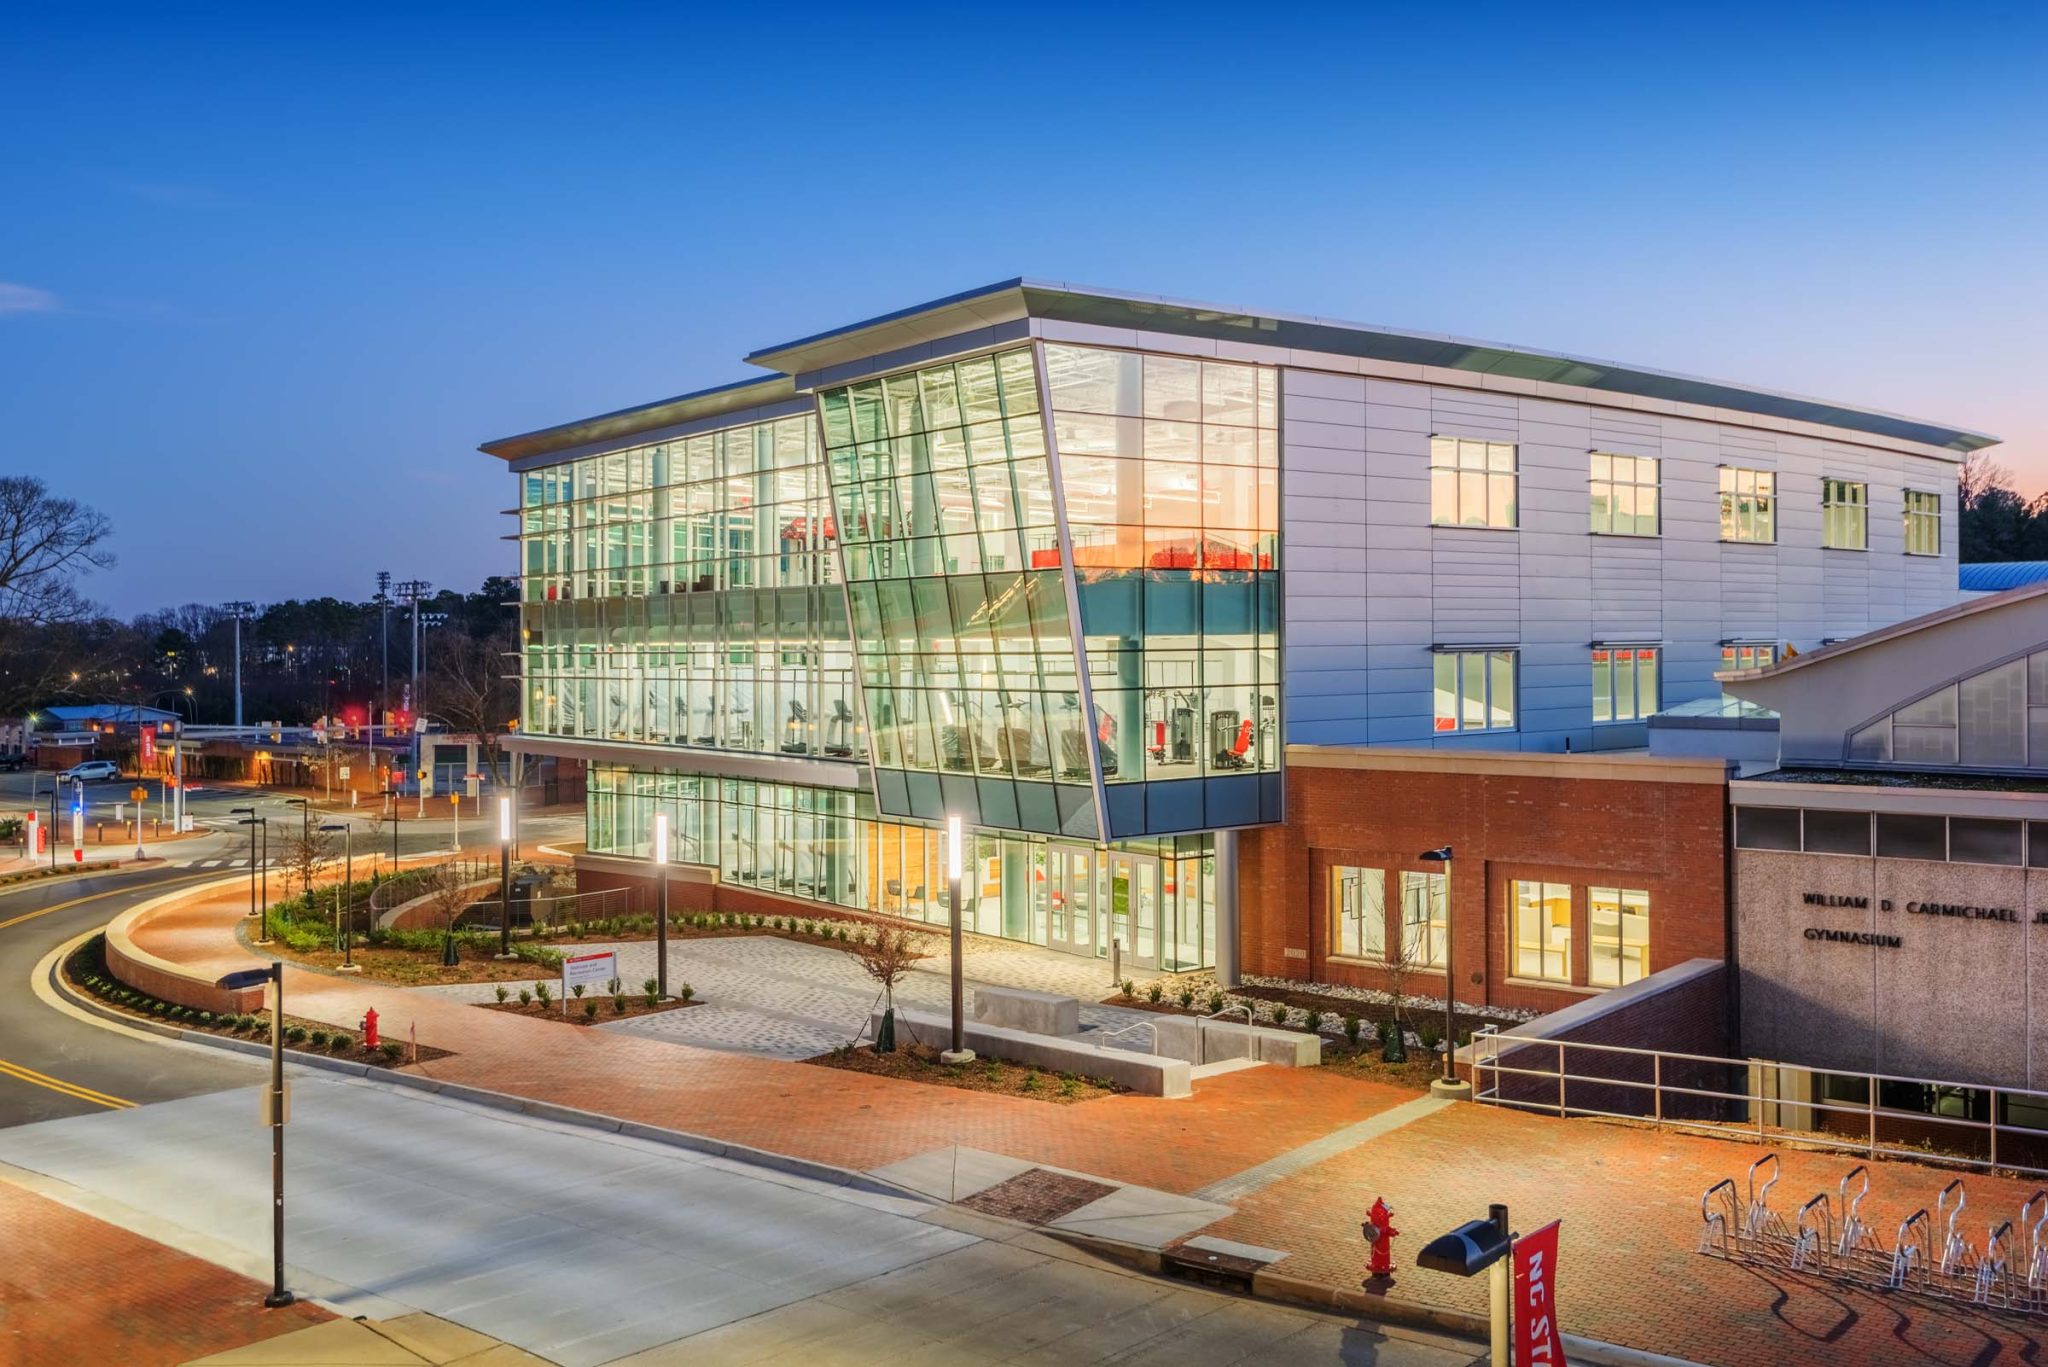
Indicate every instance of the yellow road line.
{"type": "Point", "coordinates": [111, 892]}
{"type": "Point", "coordinates": [70, 1089]}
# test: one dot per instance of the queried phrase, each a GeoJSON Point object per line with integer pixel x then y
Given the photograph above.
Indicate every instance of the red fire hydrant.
{"type": "Point", "coordinates": [370, 1028]}
{"type": "Point", "coordinates": [1379, 1232]}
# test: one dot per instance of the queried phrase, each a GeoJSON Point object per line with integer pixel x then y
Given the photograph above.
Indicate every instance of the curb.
{"type": "Point", "coordinates": [1274, 1286]}
{"type": "Point", "coordinates": [827, 1173]}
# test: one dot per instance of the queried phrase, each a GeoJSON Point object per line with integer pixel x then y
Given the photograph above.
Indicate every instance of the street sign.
{"type": "Point", "coordinates": [344, 773]}
{"type": "Point", "coordinates": [139, 793]}
{"type": "Point", "coordinates": [588, 969]}
{"type": "Point", "coordinates": [469, 782]}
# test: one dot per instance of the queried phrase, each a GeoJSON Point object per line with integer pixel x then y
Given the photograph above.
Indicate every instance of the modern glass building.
{"type": "Point", "coordinates": [1078, 566]}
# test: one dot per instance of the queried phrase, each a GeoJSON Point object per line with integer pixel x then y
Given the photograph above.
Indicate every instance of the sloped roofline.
{"type": "Point", "coordinates": [1990, 602]}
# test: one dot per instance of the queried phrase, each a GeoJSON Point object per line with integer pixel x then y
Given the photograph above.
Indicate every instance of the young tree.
{"type": "Point", "coordinates": [887, 959]}
{"type": "Point", "coordinates": [473, 685]}
{"type": "Point", "coordinates": [308, 856]}
{"type": "Point", "coordinates": [447, 891]}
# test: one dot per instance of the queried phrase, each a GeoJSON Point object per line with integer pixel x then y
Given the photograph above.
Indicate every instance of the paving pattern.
{"type": "Point", "coordinates": [785, 999]}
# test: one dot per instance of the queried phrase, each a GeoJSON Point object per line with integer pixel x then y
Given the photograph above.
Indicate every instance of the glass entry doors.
{"type": "Point", "coordinates": [1070, 899]}
{"type": "Point", "coordinates": [1132, 897]}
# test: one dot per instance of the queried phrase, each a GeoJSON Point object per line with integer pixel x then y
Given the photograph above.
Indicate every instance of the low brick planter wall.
{"type": "Point", "coordinates": [146, 972]}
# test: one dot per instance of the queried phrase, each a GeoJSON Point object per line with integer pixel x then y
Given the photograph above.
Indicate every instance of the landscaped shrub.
{"type": "Point", "coordinates": [687, 992]}
{"type": "Point", "coordinates": [318, 1039]}
{"type": "Point", "coordinates": [1429, 1035]}
{"type": "Point", "coordinates": [1154, 993]}
{"type": "Point", "coordinates": [652, 989]}
{"type": "Point", "coordinates": [1030, 1083]}
{"type": "Point", "coordinates": [1187, 995]}
{"type": "Point", "coordinates": [1314, 1023]}
{"type": "Point", "coordinates": [590, 1009]}
{"type": "Point", "coordinates": [618, 1003]}
{"type": "Point", "coordinates": [525, 996]}
{"type": "Point", "coordinates": [576, 989]}
{"type": "Point", "coordinates": [1069, 1085]}
{"type": "Point", "coordinates": [502, 992]}
{"type": "Point", "coordinates": [544, 992]}
{"type": "Point", "coordinates": [614, 987]}
{"type": "Point", "coordinates": [1351, 1024]}
{"type": "Point", "coordinates": [1215, 1000]}
{"type": "Point", "coordinates": [206, 1018]}
{"type": "Point", "coordinates": [391, 1049]}
{"type": "Point", "coordinates": [160, 1008]}
{"type": "Point", "coordinates": [339, 1041]}
{"type": "Point", "coordinates": [1130, 990]}
{"type": "Point", "coordinates": [245, 1023]}
{"type": "Point", "coordinates": [295, 1034]}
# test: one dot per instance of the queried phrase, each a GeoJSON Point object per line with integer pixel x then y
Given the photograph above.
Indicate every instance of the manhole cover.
{"type": "Point", "coordinates": [1037, 1197]}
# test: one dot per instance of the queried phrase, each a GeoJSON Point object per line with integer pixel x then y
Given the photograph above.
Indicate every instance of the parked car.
{"type": "Point", "coordinates": [11, 763]}
{"type": "Point", "coordinates": [89, 770]}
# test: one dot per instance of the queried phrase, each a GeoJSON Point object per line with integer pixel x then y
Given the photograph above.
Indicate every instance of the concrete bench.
{"type": "Point", "coordinates": [1039, 1013]}
{"type": "Point", "coordinates": [1147, 1074]}
{"type": "Point", "coordinates": [1189, 1038]}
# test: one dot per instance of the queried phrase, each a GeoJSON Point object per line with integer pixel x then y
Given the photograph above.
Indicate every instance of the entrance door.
{"type": "Point", "coordinates": [1070, 899]}
{"type": "Point", "coordinates": [1133, 910]}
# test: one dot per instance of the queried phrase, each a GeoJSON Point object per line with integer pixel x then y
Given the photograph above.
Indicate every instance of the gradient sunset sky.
{"type": "Point", "coordinates": [266, 279]}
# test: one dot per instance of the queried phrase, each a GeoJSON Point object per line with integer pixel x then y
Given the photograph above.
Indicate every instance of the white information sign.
{"type": "Point", "coordinates": [589, 970]}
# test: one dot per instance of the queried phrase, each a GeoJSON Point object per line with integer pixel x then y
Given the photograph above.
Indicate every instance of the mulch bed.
{"type": "Point", "coordinates": [421, 968]}
{"type": "Point", "coordinates": [920, 1063]}
{"type": "Point", "coordinates": [636, 1005]}
{"type": "Point", "coordinates": [1037, 1197]}
{"type": "Point", "coordinates": [88, 963]}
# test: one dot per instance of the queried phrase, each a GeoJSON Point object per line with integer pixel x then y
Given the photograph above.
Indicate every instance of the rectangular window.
{"type": "Point", "coordinates": [1358, 900]}
{"type": "Point", "coordinates": [1748, 655]}
{"type": "Point", "coordinates": [1424, 928]}
{"type": "Point", "coordinates": [1749, 505]}
{"type": "Point", "coordinates": [1542, 914]}
{"type": "Point", "coordinates": [1829, 832]}
{"type": "Point", "coordinates": [1923, 523]}
{"type": "Point", "coordinates": [1617, 936]}
{"type": "Point", "coordinates": [1475, 690]}
{"type": "Point", "coordinates": [1983, 840]}
{"type": "Point", "coordinates": [1767, 828]}
{"type": "Point", "coordinates": [1910, 836]}
{"type": "Point", "coordinates": [1624, 682]}
{"type": "Point", "coordinates": [1472, 483]}
{"type": "Point", "coordinates": [1844, 515]}
{"type": "Point", "coordinates": [1624, 495]}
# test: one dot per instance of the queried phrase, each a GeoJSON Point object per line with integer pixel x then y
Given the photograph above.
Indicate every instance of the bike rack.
{"type": "Point", "coordinates": [1718, 1225]}
{"type": "Point", "coordinates": [1758, 1221]}
{"type": "Point", "coordinates": [1953, 1250]}
{"type": "Point", "coordinates": [1993, 1270]}
{"type": "Point", "coordinates": [1910, 1250]}
{"type": "Point", "coordinates": [1814, 1240]}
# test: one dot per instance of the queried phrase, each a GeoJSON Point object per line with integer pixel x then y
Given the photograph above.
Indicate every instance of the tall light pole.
{"type": "Point", "coordinates": [384, 618]}
{"type": "Point", "coordinates": [1450, 1084]}
{"type": "Point", "coordinates": [273, 1116]}
{"type": "Point", "coordinates": [959, 1053]}
{"type": "Point", "coordinates": [661, 905]}
{"type": "Point", "coordinates": [239, 611]}
{"type": "Point", "coordinates": [504, 877]}
{"type": "Point", "coordinates": [254, 822]}
{"type": "Point", "coordinates": [305, 806]}
{"type": "Point", "coordinates": [345, 905]}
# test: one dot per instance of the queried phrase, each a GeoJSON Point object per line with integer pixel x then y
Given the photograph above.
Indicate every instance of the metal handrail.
{"type": "Point", "coordinates": [1251, 1030]}
{"type": "Point", "coordinates": [1490, 1050]}
{"type": "Point", "coordinates": [1135, 1025]}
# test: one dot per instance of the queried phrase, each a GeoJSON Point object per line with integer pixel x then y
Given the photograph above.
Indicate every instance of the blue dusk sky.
{"type": "Point", "coordinates": [269, 273]}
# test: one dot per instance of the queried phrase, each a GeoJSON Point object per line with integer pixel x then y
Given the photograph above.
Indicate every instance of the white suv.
{"type": "Point", "coordinates": [91, 769]}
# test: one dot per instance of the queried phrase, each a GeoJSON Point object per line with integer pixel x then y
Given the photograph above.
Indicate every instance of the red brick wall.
{"type": "Point", "coordinates": [1561, 820]}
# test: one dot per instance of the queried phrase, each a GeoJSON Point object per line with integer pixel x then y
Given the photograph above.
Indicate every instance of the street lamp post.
{"type": "Point", "coordinates": [254, 822]}
{"type": "Point", "coordinates": [959, 1053]}
{"type": "Point", "coordinates": [1450, 1084]}
{"type": "Point", "coordinates": [345, 904]}
{"type": "Point", "coordinates": [305, 806]}
{"type": "Point", "coordinates": [239, 612]}
{"type": "Point", "coordinates": [273, 1116]}
{"type": "Point", "coordinates": [504, 877]}
{"type": "Point", "coordinates": [661, 905]}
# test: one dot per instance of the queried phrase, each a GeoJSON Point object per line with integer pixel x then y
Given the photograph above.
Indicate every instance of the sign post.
{"type": "Point", "coordinates": [585, 969]}
{"type": "Point", "coordinates": [141, 796]}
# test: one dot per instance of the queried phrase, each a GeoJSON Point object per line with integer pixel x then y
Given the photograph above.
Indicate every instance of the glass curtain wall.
{"type": "Point", "coordinates": [687, 593]}
{"type": "Point", "coordinates": [1170, 467]}
{"type": "Point", "coordinates": [959, 610]}
{"type": "Point", "coordinates": [830, 846]}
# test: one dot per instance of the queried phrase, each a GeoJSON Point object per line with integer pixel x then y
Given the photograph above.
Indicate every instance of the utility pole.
{"type": "Point", "coordinates": [239, 611]}
{"type": "Point", "coordinates": [384, 615]}
{"type": "Point", "coordinates": [412, 591]}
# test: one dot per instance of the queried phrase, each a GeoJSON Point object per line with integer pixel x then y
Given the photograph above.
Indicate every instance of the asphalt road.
{"type": "Point", "coordinates": [52, 1064]}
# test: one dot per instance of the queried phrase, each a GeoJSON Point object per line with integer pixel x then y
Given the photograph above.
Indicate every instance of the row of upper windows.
{"type": "Point", "coordinates": [1477, 484]}
{"type": "Point", "coordinates": [1476, 689]}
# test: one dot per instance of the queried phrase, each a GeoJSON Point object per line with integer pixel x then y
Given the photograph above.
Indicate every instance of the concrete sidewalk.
{"type": "Point", "coordinates": [1262, 1139]}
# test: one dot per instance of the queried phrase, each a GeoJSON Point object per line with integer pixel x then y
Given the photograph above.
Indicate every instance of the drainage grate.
{"type": "Point", "coordinates": [1226, 1271]}
{"type": "Point", "coordinates": [1037, 1196]}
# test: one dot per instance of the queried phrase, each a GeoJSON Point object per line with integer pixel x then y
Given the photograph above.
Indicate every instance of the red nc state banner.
{"type": "Point", "coordinates": [1537, 1341]}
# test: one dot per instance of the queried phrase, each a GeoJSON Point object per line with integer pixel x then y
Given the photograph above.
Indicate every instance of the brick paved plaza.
{"type": "Point", "coordinates": [1629, 1197]}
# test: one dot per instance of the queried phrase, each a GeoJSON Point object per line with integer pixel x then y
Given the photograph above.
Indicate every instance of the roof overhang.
{"type": "Point", "coordinates": [652, 417]}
